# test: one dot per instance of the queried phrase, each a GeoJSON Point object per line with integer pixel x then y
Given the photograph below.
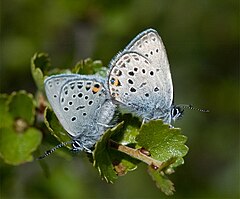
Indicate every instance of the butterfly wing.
{"type": "Point", "coordinates": [140, 77]}
{"type": "Point", "coordinates": [149, 44]}
{"type": "Point", "coordinates": [78, 103]}
{"type": "Point", "coordinates": [53, 86]}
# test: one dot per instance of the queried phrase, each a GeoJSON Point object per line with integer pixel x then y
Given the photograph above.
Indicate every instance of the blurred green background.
{"type": "Point", "coordinates": [202, 42]}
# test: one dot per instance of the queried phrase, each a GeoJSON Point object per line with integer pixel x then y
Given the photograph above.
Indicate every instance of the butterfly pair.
{"type": "Point", "coordinates": [139, 80]}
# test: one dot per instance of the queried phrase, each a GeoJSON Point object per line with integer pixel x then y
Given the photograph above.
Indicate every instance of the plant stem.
{"type": "Point", "coordinates": [137, 154]}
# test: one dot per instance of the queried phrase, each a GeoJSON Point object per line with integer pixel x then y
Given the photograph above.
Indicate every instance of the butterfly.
{"type": "Point", "coordinates": [140, 79]}
{"type": "Point", "coordinates": [82, 105]}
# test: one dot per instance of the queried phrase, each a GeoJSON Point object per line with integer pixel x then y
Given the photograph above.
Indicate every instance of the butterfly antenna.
{"type": "Point", "coordinates": [47, 153]}
{"type": "Point", "coordinates": [184, 106]}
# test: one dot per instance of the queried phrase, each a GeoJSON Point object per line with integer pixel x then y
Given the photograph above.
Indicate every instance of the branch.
{"type": "Point", "coordinates": [141, 155]}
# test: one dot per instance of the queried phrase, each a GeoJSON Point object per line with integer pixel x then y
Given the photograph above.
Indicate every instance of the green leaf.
{"type": "Point", "coordinates": [88, 66]}
{"type": "Point", "coordinates": [102, 160]}
{"type": "Point", "coordinates": [102, 72]}
{"type": "Point", "coordinates": [122, 162]}
{"type": "Point", "coordinates": [129, 131]}
{"type": "Point", "coordinates": [161, 180]}
{"type": "Point", "coordinates": [77, 67]}
{"type": "Point", "coordinates": [39, 63]}
{"type": "Point", "coordinates": [55, 127]}
{"type": "Point", "coordinates": [170, 169]}
{"type": "Point", "coordinates": [163, 142]}
{"type": "Point", "coordinates": [22, 105]}
{"type": "Point", "coordinates": [5, 118]}
{"type": "Point", "coordinates": [16, 148]}
{"type": "Point", "coordinates": [109, 162]}
{"type": "Point", "coordinates": [179, 161]}
{"type": "Point", "coordinates": [3, 102]}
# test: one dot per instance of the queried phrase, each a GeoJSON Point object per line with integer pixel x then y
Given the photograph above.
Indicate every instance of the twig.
{"type": "Point", "coordinates": [137, 154]}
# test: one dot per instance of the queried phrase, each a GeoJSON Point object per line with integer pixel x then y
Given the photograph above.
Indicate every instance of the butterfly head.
{"type": "Point", "coordinates": [177, 110]}
{"type": "Point", "coordinates": [76, 147]}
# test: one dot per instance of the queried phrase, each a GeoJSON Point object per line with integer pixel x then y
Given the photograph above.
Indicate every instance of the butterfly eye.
{"type": "Point", "coordinates": [176, 113]}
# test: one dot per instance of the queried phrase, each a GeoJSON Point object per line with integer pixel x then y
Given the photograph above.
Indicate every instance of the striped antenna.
{"type": "Point", "coordinates": [47, 153]}
{"type": "Point", "coordinates": [189, 106]}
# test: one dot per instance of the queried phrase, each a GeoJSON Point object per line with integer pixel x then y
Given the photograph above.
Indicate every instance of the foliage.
{"type": "Point", "coordinates": [202, 43]}
{"type": "Point", "coordinates": [119, 150]}
{"type": "Point", "coordinates": [18, 137]}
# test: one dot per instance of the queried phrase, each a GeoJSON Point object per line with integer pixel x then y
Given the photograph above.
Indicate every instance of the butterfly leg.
{"type": "Point", "coordinates": [87, 149]}
{"type": "Point", "coordinates": [105, 125]}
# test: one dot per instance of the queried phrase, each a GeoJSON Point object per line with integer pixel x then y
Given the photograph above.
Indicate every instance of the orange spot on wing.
{"type": "Point", "coordinates": [115, 82]}
{"type": "Point", "coordinates": [96, 88]}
